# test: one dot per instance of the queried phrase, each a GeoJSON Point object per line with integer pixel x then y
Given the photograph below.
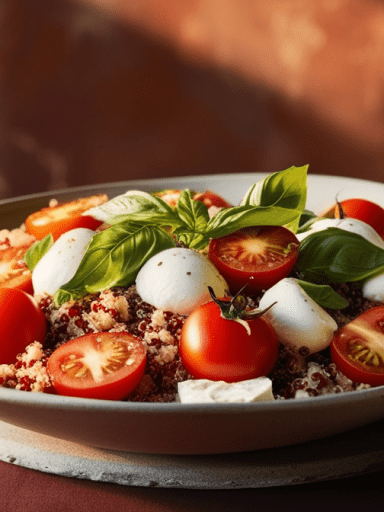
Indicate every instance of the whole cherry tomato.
{"type": "Point", "coordinates": [21, 323]}
{"type": "Point", "coordinates": [64, 217]}
{"type": "Point", "coordinates": [357, 349]}
{"type": "Point", "coordinates": [215, 348]}
{"type": "Point", "coordinates": [257, 256]}
{"type": "Point", "coordinates": [362, 209]}
{"type": "Point", "coordinates": [105, 365]}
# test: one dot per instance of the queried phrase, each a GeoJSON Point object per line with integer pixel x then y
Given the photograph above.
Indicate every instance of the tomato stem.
{"type": "Point", "coordinates": [339, 212]}
{"type": "Point", "coordinates": [235, 309]}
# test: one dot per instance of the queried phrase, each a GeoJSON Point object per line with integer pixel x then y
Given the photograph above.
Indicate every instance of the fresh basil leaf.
{"type": "Point", "coordinates": [324, 295]}
{"type": "Point", "coordinates": [194, 218]}
{"type": "Point", "coordinates": [193, 214]}
{"type": "Point", "coordinates": [136, 206]}
{"type": "Point", "coordinates": [338, 256]}
{"type": "Point", "coordinates": [191, 239]}
{"type": "Point", "coordinates": [285, 189]}
{"type": "Point", "coordinates": [37, 251]}
{"type": "Point", "coordinates": [307, 218]}
{"type": "Point", "coordinates": [229, 220]}
{"type": "Point", "coordinates": [113, 258]}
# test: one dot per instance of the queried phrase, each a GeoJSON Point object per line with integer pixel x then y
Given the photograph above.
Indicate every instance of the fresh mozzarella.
{"type": "Point", "coordinates": [177, 280]}
{"type": "Point", "coordinates": [59, 264]}
{"type": "Point", "coordinates": [296, 318]}
{"type": "Point", "coordinates": [347, 224]}
{"type": "Point", "coordinates": [373, 288]}
{"type": "Point", "coordinates": [207, 391]}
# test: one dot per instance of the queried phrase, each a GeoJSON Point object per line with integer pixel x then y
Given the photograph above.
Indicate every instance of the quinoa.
{"type": "Point", "coordinates": [118, 310]}
{"type": "Point", "coordinates": [121, 309]}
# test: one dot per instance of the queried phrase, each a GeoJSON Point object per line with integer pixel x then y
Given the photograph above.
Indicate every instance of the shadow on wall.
{"type": "Point", "coordinates": [87, 97]}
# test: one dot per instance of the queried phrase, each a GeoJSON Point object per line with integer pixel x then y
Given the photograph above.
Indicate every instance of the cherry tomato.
{"type": "Point", "coordinates": [169, 195]}
{"type": "Point", "coordinates": [361, 209]}
{"type": "Point", "coordinates": [357, 349]}
{"type": "Point", "coordinates": [256, 256]}
{"type": "Point", "coordinates": [64, 217]}
{"type": "Point", "coordinates": [102, 365]}
{"type": "Point", "coordinates": [209, 198]}
{"type": "Point", "coordinates": [212, 347]}
{"type": "Point", "coordinates": [21, 323]}
{"type": "Point", "coordinates": [14, 272]}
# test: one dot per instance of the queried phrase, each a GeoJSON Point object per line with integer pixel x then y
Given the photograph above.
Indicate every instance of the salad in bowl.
{"type": "Point", "coordinates": [179, 296]}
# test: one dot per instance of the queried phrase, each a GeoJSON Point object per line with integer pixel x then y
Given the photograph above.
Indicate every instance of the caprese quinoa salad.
{"type": "Point", "coordinates": [177, 295]}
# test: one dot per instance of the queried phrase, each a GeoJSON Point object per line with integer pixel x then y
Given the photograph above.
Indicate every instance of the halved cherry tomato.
{"type": "Point", "coordinates": [21, 323]}
{"type": "Point", "coordinates": [14, 272]}
{"type": "Point", "coordinates": [101, 365]}
{"type": "Point", "coordinates": [357, 349]}
{"type": "Point", "coordinates": [171, 196]}
{"type": "Point", "coordinates": [362, 209]}
{"type": "Point", "coordinates": [64, 217]}
{"type": "Point", "coordinates": [212, 347]}
{"type": "Point", "coordinates": [255, 256]}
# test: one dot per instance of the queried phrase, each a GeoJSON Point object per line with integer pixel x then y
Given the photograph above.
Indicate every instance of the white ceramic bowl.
{"type": "Point", "coordinates": [192, 429]}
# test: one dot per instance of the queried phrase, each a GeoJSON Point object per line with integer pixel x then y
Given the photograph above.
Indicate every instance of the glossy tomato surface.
{"type": "Point", "coordinates": [357, 349]}
{"type": "Point", "coordinates": [257, 256]}
{"type": "Point", "coordinates": [212, 347]}
{"type": "Point", "coordinates": [98, 365]}
{"type": "Point", "coordinates": [14, 272]}
{"type": "Point", "coordinates": [64, 217]}
{"type": "Point", "coordinates": [362, 209]}
{"type": "Point", "coordinates": [21, 323]}
{"type": "Point", "coordinates": [209, 198]}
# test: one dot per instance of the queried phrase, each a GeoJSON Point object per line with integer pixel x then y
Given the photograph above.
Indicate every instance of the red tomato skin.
{"type": "Point", "coordinates": [112, 387]}
{"type": "Point", "coordinates": [355, 370]}
{"type": "Point", "coordinates": [361, 209]}
{"type": "Point", "coordinates": [261, 277]}
{"type": "Point", "coordinates": [215, 348]}
{"type": "Point", "coordinates": [64, 217]}
{"type": "Point", "coordinates": [210, 198]}
{"type": "Point", "coordinates": [21, 323]}
{"type": "Point", "coordinates": [19, 276]}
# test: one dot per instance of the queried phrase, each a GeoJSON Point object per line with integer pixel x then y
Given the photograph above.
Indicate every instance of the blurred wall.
{"type": "Point", "coordinates": [93, 91]}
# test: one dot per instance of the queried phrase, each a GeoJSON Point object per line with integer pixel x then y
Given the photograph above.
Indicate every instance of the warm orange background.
{"type": "Point", "coordinates": [93, 91]}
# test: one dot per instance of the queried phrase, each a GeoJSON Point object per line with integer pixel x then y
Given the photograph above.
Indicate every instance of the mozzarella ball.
{"type": "Point", "coordinates": [296, 318]}
{"type": "Point", "coordinates": [373, 288]}
{"type": "Point", "coordinates": [348, 224]}
{"type": "Point", "coordinates": [60, 263]}
{"type": "Point", "coordinates": [177, 280]}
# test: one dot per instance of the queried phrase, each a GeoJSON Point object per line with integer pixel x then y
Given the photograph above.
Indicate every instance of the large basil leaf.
{"type": "Point", "coordinates": [231, 219]}
{"type": "Point", "coordinates": [338, 256]}
{"type": "Point", "coordinates": [113, 258]}
{"type": "Point", "coordinates": [136, 206]}
{"type": "Point", "coordinates": [285, 189]}
{"type": "Point", "coordinates": [324, 295]}
{"type": "Point", "coordinates": [37, 251]}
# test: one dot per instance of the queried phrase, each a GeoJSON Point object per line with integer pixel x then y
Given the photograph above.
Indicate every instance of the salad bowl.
{"type": "Point", "coordinates": [192, 429]}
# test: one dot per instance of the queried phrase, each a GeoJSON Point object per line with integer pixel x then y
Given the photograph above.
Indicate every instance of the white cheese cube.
{"type": "Point", "coordinates": [203, 391]}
